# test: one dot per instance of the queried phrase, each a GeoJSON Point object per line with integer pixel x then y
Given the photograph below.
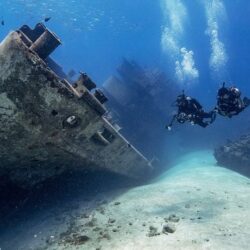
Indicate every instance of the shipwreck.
{"type": "Point", "coordinates": [141, 101]}
{"type": "Point", "coordinates": [51, 124]}
{"type": "Point", "coordinates": [235, 155]}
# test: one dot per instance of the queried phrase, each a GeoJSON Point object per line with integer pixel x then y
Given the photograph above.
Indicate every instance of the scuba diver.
{"type": "Point", "coordinates": [190, 110]}
{"type": "Point", "coordinates": [229, 102]}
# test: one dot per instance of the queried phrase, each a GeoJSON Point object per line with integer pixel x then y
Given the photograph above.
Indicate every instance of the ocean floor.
{"type": "Point", "coordinates": [194, 205]}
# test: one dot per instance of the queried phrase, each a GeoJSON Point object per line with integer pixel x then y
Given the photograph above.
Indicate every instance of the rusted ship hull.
{"type": "Point", "coordinates": [49, 126]}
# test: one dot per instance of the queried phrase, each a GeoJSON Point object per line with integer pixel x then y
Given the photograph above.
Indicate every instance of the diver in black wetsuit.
{"type": "Point", "coordinates": [189, 109]}
{"type": "Point", "coordinates": [229, 102]}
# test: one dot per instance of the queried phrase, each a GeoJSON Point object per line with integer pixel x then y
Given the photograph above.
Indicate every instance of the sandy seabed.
{"type": "Point", "coordinates": [194, 205]}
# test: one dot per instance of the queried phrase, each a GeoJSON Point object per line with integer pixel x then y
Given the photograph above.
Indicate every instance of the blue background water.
{"type": "Point", "coordinates": [97, 34]}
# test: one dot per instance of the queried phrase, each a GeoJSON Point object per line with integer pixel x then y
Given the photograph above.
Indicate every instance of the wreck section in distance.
{"type": "Point", "coordinates": [50, 125]}
{"type": "Point", "coordinates": [235, 155]}
{"type": "Point", "coordinates": [141, 101]}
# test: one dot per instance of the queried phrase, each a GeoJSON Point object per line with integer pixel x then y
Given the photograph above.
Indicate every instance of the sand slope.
{"type": "Point", "coordinates": [209, 208]}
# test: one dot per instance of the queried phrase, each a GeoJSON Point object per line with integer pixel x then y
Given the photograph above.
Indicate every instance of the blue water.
{"type": "Point", "coordinates": [197, 43]}
{"type": "Point", "coordinates": [97, 34]}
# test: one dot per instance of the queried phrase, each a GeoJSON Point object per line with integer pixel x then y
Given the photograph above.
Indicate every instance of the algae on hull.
{"type": "Point", "coordinates": [48, 125]}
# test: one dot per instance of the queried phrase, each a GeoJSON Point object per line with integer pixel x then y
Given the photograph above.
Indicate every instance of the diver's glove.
{"type": "Point", "coordinates": [168, 127]}
{"type": "Point", "coordinates": [216, 109]}
{"type": "Point", "coordinates": [213, 116]}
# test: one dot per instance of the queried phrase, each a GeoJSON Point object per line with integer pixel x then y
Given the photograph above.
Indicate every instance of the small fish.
{"type": "Point", "coordinates": [46, 19]}
{"type": "Point", "coordinates": [2, 22]}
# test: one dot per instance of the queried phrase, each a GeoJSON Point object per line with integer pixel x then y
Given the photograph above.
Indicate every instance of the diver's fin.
{"type": "Point", "coordinates": [246, 101]}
